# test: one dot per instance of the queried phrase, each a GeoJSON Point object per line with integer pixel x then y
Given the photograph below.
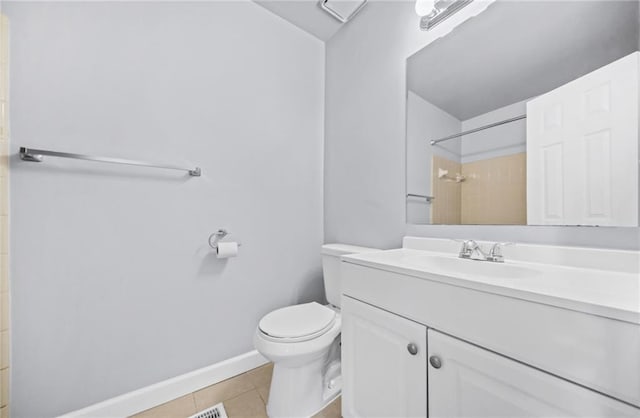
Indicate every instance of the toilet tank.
{"type": "Point", "coordinates": [331, 268]}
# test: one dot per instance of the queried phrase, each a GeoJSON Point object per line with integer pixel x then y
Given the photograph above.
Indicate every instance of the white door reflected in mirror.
{"type": "Point", "coordinates": [582, 149]}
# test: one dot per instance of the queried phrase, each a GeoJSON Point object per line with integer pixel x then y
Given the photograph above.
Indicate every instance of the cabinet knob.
{"type": "Point", "coordinates": [435, 362]}
{"type": "Point", "coordinates": [412, 348]}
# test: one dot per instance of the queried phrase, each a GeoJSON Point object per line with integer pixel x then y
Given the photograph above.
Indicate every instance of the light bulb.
{"type": "Point", "coordinates": [424, 7]}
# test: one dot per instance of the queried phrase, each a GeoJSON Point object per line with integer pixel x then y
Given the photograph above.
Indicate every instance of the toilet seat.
{"type": "Point", "coordinates": [297, 323]}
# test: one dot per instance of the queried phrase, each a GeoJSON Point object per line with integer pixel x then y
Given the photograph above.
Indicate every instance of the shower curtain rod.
{"type": "Point", "coordinates": [482, 128]}
{"type": "Point", "coordinates": [36, 156]}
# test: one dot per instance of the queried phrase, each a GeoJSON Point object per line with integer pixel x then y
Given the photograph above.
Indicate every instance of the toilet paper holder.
{"type": "Point", "coordinates": [217, 236]}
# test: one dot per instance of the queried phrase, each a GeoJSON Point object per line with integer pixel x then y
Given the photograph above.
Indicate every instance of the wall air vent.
{"type": "Point", "coordinates": [343, 10]}
{"type": "Point", "coordinates": [216, 411]}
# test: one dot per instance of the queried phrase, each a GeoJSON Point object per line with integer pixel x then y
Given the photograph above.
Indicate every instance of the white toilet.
{"type": "Point", "coordinates": [303, 342]}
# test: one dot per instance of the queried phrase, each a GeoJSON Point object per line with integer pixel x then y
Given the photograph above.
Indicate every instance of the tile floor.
{"type": "Point", "coordinates": [243, 396]}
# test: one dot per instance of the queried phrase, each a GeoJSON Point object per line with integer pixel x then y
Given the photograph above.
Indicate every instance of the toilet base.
{"type": "Point", "coordinates": [301, 392]}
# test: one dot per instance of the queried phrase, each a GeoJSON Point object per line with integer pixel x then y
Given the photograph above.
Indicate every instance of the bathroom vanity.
{"type": "Point", "coordinates": [552, 331]}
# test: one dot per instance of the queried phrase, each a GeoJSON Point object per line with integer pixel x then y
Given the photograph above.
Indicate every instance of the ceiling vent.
{"type": "Point", "coordinates": [343, 10]}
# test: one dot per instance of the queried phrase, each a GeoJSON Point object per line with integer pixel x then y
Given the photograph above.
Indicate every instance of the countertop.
{"type": "Point", "coordinates": [611, 294]}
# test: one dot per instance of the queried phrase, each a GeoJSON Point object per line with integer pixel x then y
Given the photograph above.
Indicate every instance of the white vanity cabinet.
{"type": "Point", "coordinates": [469, 381]}
{"type": "Point", "coordinates": [499, 356]}
{"type": "Point", "coordinates": [386, 366]}
{"type": "Point", "coordinates": [386, 358]}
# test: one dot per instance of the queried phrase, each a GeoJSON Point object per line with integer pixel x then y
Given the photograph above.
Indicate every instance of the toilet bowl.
{"type": "Point", "coordinates": [298, 386]}
{"type": "Point", "coordinates": [303, 342]}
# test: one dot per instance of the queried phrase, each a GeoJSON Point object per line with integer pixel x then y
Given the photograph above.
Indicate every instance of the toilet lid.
{"type": "Point", "coordinates": [297, 320]}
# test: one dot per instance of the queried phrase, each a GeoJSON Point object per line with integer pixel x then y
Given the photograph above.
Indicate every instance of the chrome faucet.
{"type": "Point", "coordinates": [470, 248]}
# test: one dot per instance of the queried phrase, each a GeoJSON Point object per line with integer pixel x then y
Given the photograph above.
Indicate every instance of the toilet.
{"type": "Point", "coordinates": [303, 342]}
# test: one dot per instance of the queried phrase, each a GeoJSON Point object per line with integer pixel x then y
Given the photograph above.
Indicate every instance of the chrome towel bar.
{"type": "Point", "coordinates": [37, 155]}
{"type": "Point", "coordinates": [429, 199]}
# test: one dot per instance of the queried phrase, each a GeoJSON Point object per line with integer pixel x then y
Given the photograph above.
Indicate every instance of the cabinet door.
{"type": "Point", "coordinates": [382, 378]}
{"type": "Point", "coordinates": [474, 382]}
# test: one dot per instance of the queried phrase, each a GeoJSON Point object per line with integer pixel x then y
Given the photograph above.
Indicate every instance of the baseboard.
{"type": "Point", "coordinates": [142, 399]}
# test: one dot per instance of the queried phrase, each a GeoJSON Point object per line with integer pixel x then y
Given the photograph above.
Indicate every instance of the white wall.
{"type": "Point", "coordinates": [365, 139]}
{"type": "Point", "coordinates": [424, 122]}
{"type": "Point", "coordinates": [113, 284]}
{"type": "Point", "coordinates": [364, 111]}
{"type": "Point", "coordinates": [507, 139]}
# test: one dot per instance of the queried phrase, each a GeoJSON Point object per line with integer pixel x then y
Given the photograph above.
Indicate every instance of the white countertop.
{"type": "Point", "coordinates": [612, 294]}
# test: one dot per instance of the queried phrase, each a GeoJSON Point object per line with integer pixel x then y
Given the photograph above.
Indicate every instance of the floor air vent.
{"type": "Point", "coordinates": [216, 411]}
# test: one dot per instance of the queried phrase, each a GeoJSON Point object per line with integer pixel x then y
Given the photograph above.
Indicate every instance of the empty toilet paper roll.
{"type": "Point", "coordinates": [226, 249]}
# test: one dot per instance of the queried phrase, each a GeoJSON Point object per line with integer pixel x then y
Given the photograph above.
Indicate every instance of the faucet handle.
{"type": "Point", "coordinates": [468, 247]}
{"type": "Point", "coordinates": [503, 244]}
{"type": "Point", "coordinates": [495, 253]}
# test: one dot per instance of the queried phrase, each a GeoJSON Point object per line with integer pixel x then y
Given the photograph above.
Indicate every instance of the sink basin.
{"type": "Point", "coordinates": [461, 266]}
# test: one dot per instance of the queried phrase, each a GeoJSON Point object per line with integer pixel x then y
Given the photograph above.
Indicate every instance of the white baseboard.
{"type": "Point", "coordinates": [142, 399]}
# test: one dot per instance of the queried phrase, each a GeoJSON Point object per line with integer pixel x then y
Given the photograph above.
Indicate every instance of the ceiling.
{"type": "Point", "coordinates": [305, 14]}
{"type": "Point", "coordinates": [517, 50]}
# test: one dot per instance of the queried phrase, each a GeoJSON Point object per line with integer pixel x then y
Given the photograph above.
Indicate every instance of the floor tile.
{"type": "Point", "coordinates": [178, 408]}
{"type": "Point", "coordinates": [261, 377]}
{"type": "Point", "coordinates": [333, 410]}
{"type": "Point", "coordinates": [264, 393]}
{"type": "Point", "coordinates": [244, 396]}
{"type": "Point", "coordinates": [223, 391]}
{"type": "Point", "coordinates": [247, 405]}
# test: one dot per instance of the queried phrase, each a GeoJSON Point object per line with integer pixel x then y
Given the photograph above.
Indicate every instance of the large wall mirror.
{"type": "Point", "coordinates": [527, 114]}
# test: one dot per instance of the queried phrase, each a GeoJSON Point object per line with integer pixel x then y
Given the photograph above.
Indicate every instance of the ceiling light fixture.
{"type": "Point", "coordinates": [425, 7]}
{"type": "Point", "coordinates": [434, 12]}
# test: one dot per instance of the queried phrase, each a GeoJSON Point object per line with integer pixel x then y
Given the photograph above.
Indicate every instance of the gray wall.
{"type": "Point", "coordinates": [113, 284]}
{"type": "Point", "coordinates": [365, 141]}
{"type": "Point", "coordinates": [425, 121]}
{"type": "Point", "coordinates": [365, 125]}
{"type": "Point", "coordinates": [507, 139]}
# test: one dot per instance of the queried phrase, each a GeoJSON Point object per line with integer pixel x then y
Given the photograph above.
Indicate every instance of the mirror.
{"type": "Point", "coordinates": [527, 114]}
